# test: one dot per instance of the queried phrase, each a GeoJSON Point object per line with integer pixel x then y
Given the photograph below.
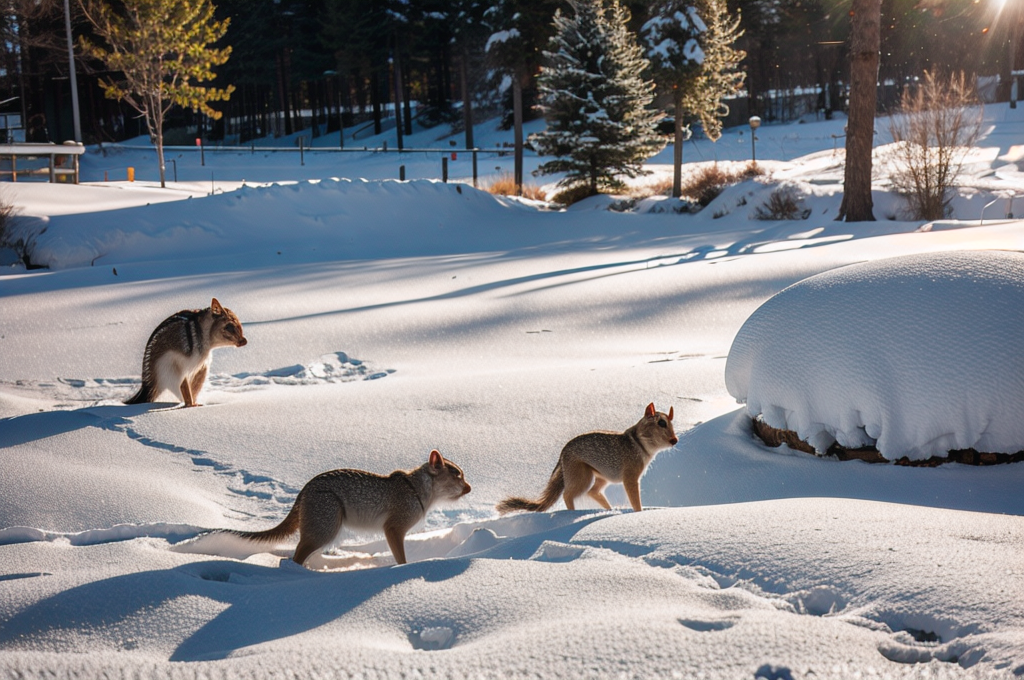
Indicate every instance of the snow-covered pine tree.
{"type": "Point", "coordinates": [689, 45]}
{"type": "Point", "coordinates": [596, 99]}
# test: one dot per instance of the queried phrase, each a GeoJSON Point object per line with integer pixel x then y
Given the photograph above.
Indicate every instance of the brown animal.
{"type": "Point", "coordinates": [589, 462]}
{"type": "Point", "coordinates": [179, 351]}
{"type": "Point", "coordinates": [364, 500]}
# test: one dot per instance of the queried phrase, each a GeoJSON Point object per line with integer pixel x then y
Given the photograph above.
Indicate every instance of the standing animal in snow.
{"type": "Point", "coordinates": [589, 462]}
{"type": "Point", "coordinates": [179, 351]}
{"type": "Point", "coordinates": [367, 501]}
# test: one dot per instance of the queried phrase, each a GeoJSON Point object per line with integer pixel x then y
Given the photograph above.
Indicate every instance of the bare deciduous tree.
{"type": "Point", "coordinates": [160, 51]}
{"type": "Point", "coordinates": [937, 125]}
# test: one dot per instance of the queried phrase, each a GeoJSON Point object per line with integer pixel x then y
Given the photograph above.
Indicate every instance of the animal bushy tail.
{"type": "Point", "coordinates": [554, 489]}
{"type": "Point", "coordinates": [286, 528]}
{"type": "Point", "coordinates": [143, 396]}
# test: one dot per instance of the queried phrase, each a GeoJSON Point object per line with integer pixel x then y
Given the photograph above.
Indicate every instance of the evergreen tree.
{"type": "Point", "coordinates": [595, 99]}
{"type": "Point", "coordinates": [161, 49]}
{"type": "Point", "coordinates": [690, 48]}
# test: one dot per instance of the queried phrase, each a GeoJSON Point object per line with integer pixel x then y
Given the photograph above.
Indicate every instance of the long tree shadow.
{"type": "Point", "coordinates": [263, 603]}
{"type": "Point", "coordinates": [576, 275]}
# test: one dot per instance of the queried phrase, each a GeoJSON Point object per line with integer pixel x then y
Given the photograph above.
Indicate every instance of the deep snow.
{"type": "Point", "coordinates": [385, 319]}
{"type": "Point", "coordinates": [917, 355]}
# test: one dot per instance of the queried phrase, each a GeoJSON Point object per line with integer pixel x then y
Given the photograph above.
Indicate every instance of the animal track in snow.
{"type": "Point", "coordinates": [432, 638]}
{"type": "Point", "coordinates": [72, 393]}
{"type": "Point", "coordinates": [707, 626]}
{"type": "Point", "coordinates": [335, 367]}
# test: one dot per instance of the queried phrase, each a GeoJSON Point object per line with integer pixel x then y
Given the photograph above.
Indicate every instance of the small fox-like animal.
{"type": "Point", "coordinates": [178, 352]}
{"type": "Point", "coordinates": [367, 501]}
{"type": "Point", "coordinates": [589, 462]}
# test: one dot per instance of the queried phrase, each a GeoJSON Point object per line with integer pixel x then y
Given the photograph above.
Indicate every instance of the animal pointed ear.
{"type": "Point", "coordinates": [435, 459]}
{"type": "Point", "coordinates": [650, 410]}
{"type": "Point", "coordinates": [215, 307]}
{"type": "Point", "coordinates": [671, 412]}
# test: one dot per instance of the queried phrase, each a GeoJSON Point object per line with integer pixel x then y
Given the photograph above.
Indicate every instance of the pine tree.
{"type": "Point", "coordinates": [161, 50]}
{"type": "Point", "coordinates": [595, 99]}
{"type": "Point", "coordinates": [690, 48]}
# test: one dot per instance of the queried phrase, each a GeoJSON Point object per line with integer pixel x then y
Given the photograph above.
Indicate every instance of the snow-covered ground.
{"type": "Point", "coordinates": [385, 319]}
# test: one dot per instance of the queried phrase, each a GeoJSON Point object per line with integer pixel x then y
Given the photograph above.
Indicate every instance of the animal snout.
{"type": "Point", "coordinates": [466, 488]}
{"type": "Point", "coordinates": [242, 342]}
{"type": "Point", "coordinates": [674, 441]}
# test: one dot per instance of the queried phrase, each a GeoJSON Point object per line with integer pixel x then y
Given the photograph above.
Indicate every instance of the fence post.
{"type": "Point", "coordinates": [444, 169]}
{"type": "Point", "coordinates": [474, 169]}
{"type": "Point", "coordinates": [401, 172]}
{"type": "Point", "coordinates": [302, 152]}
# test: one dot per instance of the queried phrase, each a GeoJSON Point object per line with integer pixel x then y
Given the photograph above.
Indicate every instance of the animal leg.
{"type": "Point", "coordinates": [395, 536]}
{"type": "Point", "coordinates": [319, 523]}
{"type": "Point", "coordinates": [186, 393]}
{"type": "Point", "coordinates": [578, 478]}
{"type": "Point", "coordinates": [595, 492]}
{"type": "Point", "coordinates": [197, 384]}
{"type": "Point", "coordinates": [631, 481]}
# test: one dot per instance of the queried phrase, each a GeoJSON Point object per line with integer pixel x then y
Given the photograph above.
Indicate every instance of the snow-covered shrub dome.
{"type": "Point", "coordinates": [917, 355]}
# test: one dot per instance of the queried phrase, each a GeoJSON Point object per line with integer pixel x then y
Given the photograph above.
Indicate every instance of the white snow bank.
{"type": "Point", "coordinates": [918, 355]}
{"type": "Point", "coordinates": [305, 220]}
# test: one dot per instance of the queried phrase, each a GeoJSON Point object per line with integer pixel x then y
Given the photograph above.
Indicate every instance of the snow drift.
{"type": "Point", "coordinates": [917, 355]}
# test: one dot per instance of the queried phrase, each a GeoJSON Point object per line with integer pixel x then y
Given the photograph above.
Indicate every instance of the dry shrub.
{"type": "Point", "coordinates": [21, 245]}
{"type": "Point", "coordinates": [783, 204]}
{"type": "Point", "coordinates": [573, 194]}
{"type": "Point", "coordinates": [936, 126]}
{"type": "Point", "coordinates": [707, 183]}
{"type": "Point", "coordinates": [505, 185]}
{"type": "Point", "coordinates": [7, 211]}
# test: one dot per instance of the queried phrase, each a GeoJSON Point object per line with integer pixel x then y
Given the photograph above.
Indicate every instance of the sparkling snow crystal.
{"type": "Point", "coordinates": [918, 355]}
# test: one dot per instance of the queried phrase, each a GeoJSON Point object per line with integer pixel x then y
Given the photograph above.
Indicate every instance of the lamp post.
{"type": "Point", "coordinates": [755, 122]}
{"type": "Point", "coordinates": [74, 78]}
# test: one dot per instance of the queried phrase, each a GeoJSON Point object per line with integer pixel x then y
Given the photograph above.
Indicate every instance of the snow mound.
{"type": "Point", "coordinates": [332, 217]}
{"type": "Point", "coordinates": [917, 355]}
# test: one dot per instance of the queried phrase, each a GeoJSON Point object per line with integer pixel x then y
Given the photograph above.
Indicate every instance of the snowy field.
{"type": "Point", "coordinates": [385, 319]}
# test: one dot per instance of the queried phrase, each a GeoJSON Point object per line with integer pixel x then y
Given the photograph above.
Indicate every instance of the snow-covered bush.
{"type": "Point", "coordinates": [916, 355]}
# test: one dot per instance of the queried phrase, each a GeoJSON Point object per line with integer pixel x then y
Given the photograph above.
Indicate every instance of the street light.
{"type": "Point", "coordinates": [755, 122]}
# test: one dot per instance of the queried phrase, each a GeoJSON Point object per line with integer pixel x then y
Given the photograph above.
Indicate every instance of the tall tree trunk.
{"type": "Point", "coordinates": [375, 101]}
{"type": "Point", "coordinates": [677, 149]}
{"type": "Point", "coordinates": [282, 91]}
{"type": "Point", "coordinates": [399, 127]}
{"type": "Point", "coordinates": [517, 123]}
{"type": "Point", "coordinates": [864, 45]}
{"type": "Point", "coordinates": [467, 101]}
{"type": "Point", "coordinates": [1016, 32]}
{"type": "Point", "coordinates": [407, 104]}
{"type": "Point", "coordinates": [155, 123]}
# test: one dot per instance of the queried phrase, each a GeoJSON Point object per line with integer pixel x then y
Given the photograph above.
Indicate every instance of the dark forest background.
{"type": "Point", "coordinates": [318, 65]}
